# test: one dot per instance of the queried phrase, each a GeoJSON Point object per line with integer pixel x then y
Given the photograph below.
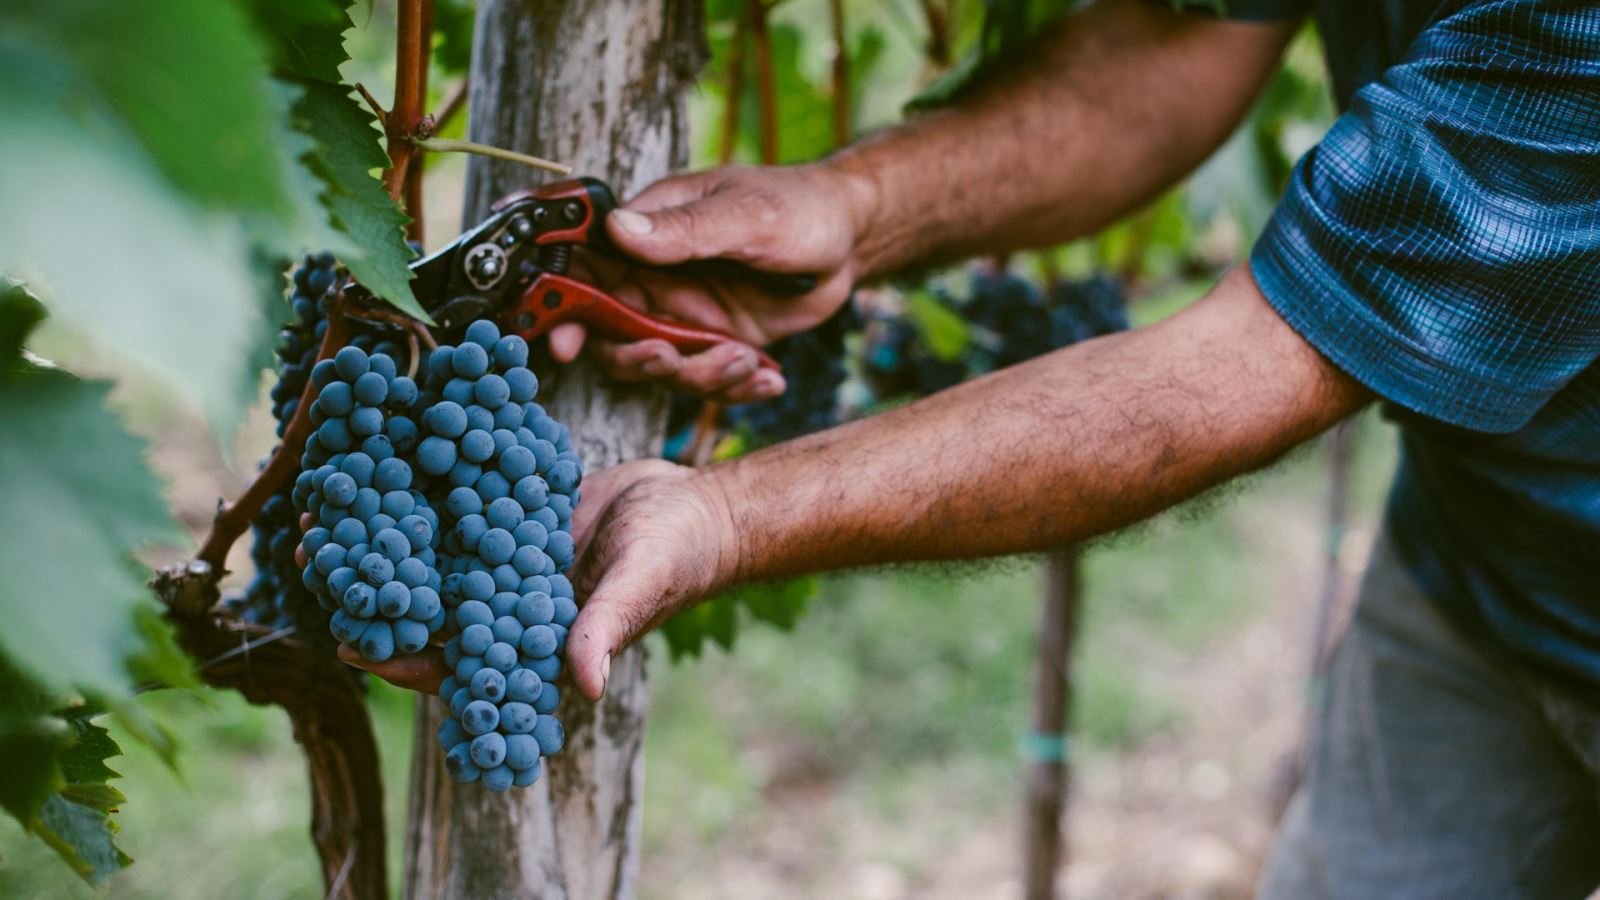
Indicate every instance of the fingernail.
{"type": "Point", "coordinates": [605, 673]}
{"type": "Point", "coordinates": [656, 366]}
{"type": "Point", "coordinates": [738, 369]}
{"type": "Point", "coordinates": [632, 222]}
{"type": "Point", "coordinates": [768, 388]}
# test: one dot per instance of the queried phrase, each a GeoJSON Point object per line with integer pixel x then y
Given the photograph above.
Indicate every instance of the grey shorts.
{"type": "Point", "coordinates": [1440, 769]}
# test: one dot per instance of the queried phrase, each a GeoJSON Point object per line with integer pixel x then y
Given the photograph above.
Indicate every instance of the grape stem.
{"type": "Point", "coordinates": [450, 145]}
{"type": "Point", "coordinates": [410, 92]}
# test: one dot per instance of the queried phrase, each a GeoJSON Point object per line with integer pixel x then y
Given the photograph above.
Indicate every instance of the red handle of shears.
{"type": "Point", "coordinates": [552, 299]}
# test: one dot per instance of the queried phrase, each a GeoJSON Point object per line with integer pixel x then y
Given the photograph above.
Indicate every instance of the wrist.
{"type": "Point", "coordinates": [856, 181]}
{"type": "Point", "coordinates": [717, 491]}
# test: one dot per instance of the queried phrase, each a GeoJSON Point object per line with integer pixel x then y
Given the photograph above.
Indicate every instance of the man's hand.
{"type": "Point", "coordinates": [652, 538]}
{"type": "Point", "coordinates": [801, 219]}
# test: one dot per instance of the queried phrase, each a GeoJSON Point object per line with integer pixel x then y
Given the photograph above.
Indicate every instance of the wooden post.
{"type": "Point", "coordinates": [1044, 844]}
{"type": "Point", "coordinates": [601, 85]}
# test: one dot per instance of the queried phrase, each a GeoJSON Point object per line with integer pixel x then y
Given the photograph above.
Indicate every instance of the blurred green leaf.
{"type": "Point", "coordinates": [72, 472]}
{"type": "Point", "coordinates": [20, 313]}
{"type": "Point", "coordinates": [31, 742]}
{"type": "Point", "coordinates": [157, 659]}
{"type": "Point", "coordinates": [84, 837]}
{"type": "Point", "coordinates": [717, 620]}
{"type": "Point", "coordinates": [943, 329]}
{"type": "Point", "coordinates": [452, 35]}
{"type": "Point", "coordinates": [183, 76]}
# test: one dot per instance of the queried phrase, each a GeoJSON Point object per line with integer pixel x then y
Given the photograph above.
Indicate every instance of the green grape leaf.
{"type": "Point", "coordinates": [305, 37]}
{"type": "Point", "coordinates": [72, 472]}
{"type": "Point", "coordinates": [184, 77]}
{"type": "Point", "coordinates": [158, 660]}
{"type": "Point", "coordinates": [84, 837]}
{"type": "Point", "coordinates": [347, 152]}
{"type": "Point", "coordinates": [55, 780]}
{"type": "Point", "coordinates": [718, 620]}
{"type": "Point", "coordinates": [31, 742]}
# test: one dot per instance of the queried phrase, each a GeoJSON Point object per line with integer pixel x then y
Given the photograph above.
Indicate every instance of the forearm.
{"type": "Point", "coordinates": [1106, 110]}
{"type": "Point", "coordinates": [1071, 445]}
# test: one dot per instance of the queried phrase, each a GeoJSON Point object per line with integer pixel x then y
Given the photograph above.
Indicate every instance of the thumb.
{"type": "Point", "coordinates": [616, 613]}
{"type": "Point", "coordinates": [703, 228]}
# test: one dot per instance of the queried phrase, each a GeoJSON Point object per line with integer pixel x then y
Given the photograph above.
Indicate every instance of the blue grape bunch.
{"type": "Point", "coordinates": [371, 557]}
{"type": "Point", "coordinates": [509, 479]}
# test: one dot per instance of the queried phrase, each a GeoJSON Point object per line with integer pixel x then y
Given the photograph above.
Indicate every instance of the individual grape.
{"type": "Point", "coordinates": [492, 486]}
{"type": "Point", "coordinates": [393, 474]}
{"type": "Point", "coordinates": [489, 750]}
{"type": "Point", "coordinates": [547, 667]}
{"type": "Point", "coordinates": [560, 549]}
{"type": "Point", "coordinates": [425, 604]}
{"type": "Point", "coordinates": [496, 546]}
{"type": "Point", "coordinates": [488, 684]}
{"type": "Point", "coordinates": [491, 391]}
{"type": "Point", "coordinates": [436, 455]}
{"type": "Point", "coordinates": [566, 611]}
{"type": "Point", "coordinates": [458, 762]}
{"type": "Point", "coordinates": [484, 332]}
{"type": "Point", "coordinates": [394, 600]}
{"type": "Point", "coordinates": [504, 602]}
{"type": "Point", "coordinates": [547, 701]}
{"type": "Point", "coordinates": [450, 732]}
{"type": "Point", "coordinates": [372, 389]}
{"type": "Point", "coordinates": [477, 586]}
{"type": "Point", "coordinates": [499, 779]}
{"type": "Point", "coordinates": [480, 717]}
{"type": "Point", "coordinates": [358, 466]}
{"type": "Point", "coordinates": [466, 667]}
{"type": "Point", "coordinates": [538, 640]}
{"type": "Point", "coordinates": [365, 422]}
{"type": "Point", "coordinates": [361, 600]}
{"type": "Point", "coordinates": [397, 504]}
{"type": "Point", "coordinates": [410, 635]}
{"type": "Point", "coordinates": [517, 716]}
{"type": "Point", "coordinates": [506, 628]}
{"type": "Point", "coordinates": [351, 363]}
{"type": "Point", "coordinates": [503, 656]}
{"type": "Point", "coordinates": [563, 476]}
{"type": "Point", "coordinates": [345, 627]}
{"type": "Point", "coordinates": [377, 642]}
{"type": "Point", "coordinates": [531, 492]}
{"type": "Point", "coordinates": [339, 489]}
{"type": "Point", "coordinates": [521, 751]}
{"type": "Point", "coordinates": [550, 735]}
{"type": "Point", "coordinates": [477, 446]}
{"type": "Point", "coordinates": [470, 361]}
{"type": "Point", "coordinates": [367, 504]}
{"type": "Point", "coordinates": [477, 638]}
{"type": "Point", "coordinates": [336, 399]}
{"type": "Point", "coordinates": [504, 514]}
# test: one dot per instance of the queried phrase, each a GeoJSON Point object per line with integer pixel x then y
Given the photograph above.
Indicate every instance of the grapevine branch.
{"type": "Point", "coordinates": [234, 518]}
{"type": "Point", "coordinates": [766, 80]}
{"type": "Point", "coordinates": [841, 75]}
{"type": "Point", "coordinates": [450, 145]}
{"type": "Point", "coordinates": [410, 93]}
{"type": "Point", "coordinates": [411, 191]}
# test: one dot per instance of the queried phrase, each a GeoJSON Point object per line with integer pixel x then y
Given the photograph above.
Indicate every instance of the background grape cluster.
{"type": "Point", "coordinates": [1011, 320]}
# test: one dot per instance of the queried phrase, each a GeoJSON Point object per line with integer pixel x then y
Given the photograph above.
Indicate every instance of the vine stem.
{"type": "Point", "coordinates": [841, 75]}
{"type": "Point", "coordinates": [766, 80]}
{"type": "Point", "coordinates": [233, 519]}
{"type": "Point", "coordinates": [450, 145]}
{"type": "Point", "coordinates": [410, 93]}
{"type": "Point", "coordinates": [411, 190]}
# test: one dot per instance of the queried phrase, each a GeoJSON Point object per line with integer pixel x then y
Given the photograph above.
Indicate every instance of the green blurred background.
{"type": "Point", "coordinates": [874, 751]}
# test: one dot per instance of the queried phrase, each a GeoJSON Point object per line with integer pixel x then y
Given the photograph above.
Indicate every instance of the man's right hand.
{"type": "Point", "coordinates": [798, 219]}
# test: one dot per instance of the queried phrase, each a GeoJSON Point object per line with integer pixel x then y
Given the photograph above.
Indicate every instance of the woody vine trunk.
{"type": "Point", "coordinates": [601, 85]}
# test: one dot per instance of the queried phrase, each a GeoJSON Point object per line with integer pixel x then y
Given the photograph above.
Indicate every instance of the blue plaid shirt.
{"type": "Point", "coordinates": [1442, 245]}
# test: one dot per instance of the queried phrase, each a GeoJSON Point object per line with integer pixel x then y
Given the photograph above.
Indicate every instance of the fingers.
{"type": "Point", "coordinates": [566, 341]}
{"type": "Point", "coordinates": [732, 223]}
{"type": "Point", "coordinates": [726, 373]}
{"type": "Point", "coordinates": [618, 612]}
{"type": "Point", "coordinates": [421, 672]}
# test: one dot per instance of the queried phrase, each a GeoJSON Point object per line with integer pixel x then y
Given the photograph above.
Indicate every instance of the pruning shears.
{"type": "Point", "coordinates": [513, 266]}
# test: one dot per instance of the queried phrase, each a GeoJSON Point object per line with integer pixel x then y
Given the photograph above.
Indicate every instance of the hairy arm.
{"type": "Point", "coordinates": [1104, 111]}
{"type": "Point", "coordinates": [1073, 444]}
{"type": "Point", "coordinates": [1099, 115]}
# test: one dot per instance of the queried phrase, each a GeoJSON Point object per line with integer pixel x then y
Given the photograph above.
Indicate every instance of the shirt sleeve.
{"type": "Point", "coordinates": [1442, 243]}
